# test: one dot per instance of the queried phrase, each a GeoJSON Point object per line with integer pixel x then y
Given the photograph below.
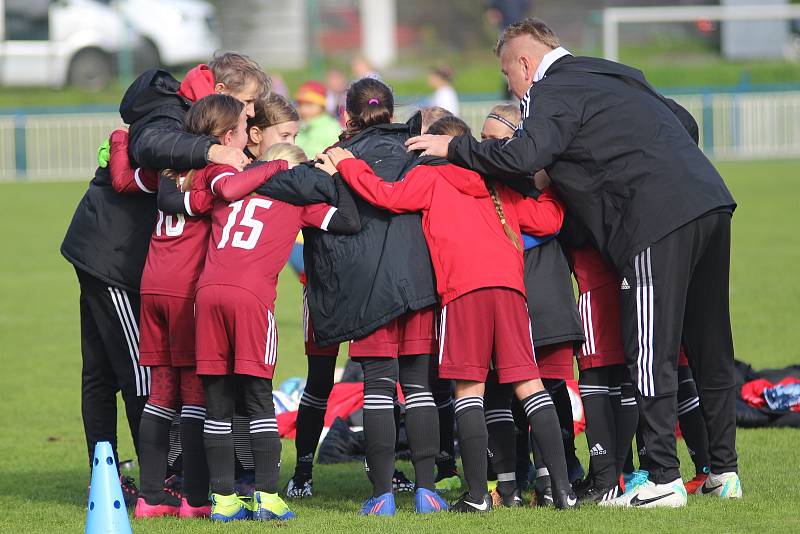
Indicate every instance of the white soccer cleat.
{"type": "Point", "coordinates": [724, 486]}
{"type": "Point", "coordinates": [650, 495]}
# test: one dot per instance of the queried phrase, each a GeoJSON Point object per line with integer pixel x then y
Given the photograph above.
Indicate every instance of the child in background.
{"type": "Point", "coordinates": [319, 129]}
{"type": "Point", "coordinates": [237, 337]}
{"type": "Point", "coordinates": [444, 95]}
{"type": "Point", "coordinates": [484, 321]}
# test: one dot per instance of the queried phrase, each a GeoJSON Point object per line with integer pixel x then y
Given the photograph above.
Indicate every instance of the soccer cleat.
{"type": "Point", "coordinates": [635, 479]}
{"type": "Point", "coordinates": [542, 492]}
{"type": "Point", "coordinates": [381, 505]}
{"type": "Point", "coordinates": [595, 494]}
{"type": "Point", "coordinates": [511, 499]}
{"type": "Point", "coordinates": [564, 499]}
{"type": "Point", "coordinates": [300, 486]}
{"type": "Point", "coordinates": [693, 485]}
{"type": "Point", "coordinates": [270, 507]}
{"type": "Point", "coordinates": [188, 511]}
{"type": "Point", "coordinates": [130, 493]}
{"type": "Point", "coordinates": [466, 504]}
{"type": "Point", "coordinates": [170, 506]}
{"type": "Point", "coordinates": [651, 495]}
{"type": "Point", "coordinates": [226, 508]}
{"type": "Point", "coordinates": [724, 485]}
{"type": "Point", "coordinates": [582, 485]}
{"type": "Point", "coordinates": [401, 483]}
{"type": "Point", "coordinates": [427, 501]}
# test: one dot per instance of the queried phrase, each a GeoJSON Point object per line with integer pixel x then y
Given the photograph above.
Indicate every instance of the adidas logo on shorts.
{"type": "Point", "coordinates": [625, 284]}
{"type": "Point", "coordinates": [597, 450]}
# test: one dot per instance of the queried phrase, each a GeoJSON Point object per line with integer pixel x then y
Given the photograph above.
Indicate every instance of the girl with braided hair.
{"type": "Point", "coordinates": [473, 234]}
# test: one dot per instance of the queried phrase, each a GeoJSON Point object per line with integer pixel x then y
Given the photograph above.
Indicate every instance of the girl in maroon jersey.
{"type": "Point", "coordinates": [472, 229]}
{"type": "Point", "coordinates": [174, 261]}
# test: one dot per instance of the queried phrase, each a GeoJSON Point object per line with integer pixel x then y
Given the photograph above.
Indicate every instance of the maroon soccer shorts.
{"type": "Point", "coordinates": [167, 331]}
{"type": "Point", "coordinates": [172, 386]}
{"type": "Point", "coordinates": [599, 310]}
{"type": "Point", "coordinates": [236, 333]}
{"type": "Point", "coordinates": [312, 349]}
{"type": "Point", "coordinates": [487, 329]}
{"type": "Point", "coordinates": [410, 334]}
{"type": "Point", "coordinates": [556, 361]}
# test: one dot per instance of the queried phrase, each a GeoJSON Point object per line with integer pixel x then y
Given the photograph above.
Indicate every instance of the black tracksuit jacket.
{"type": "Point", "coordinates": [623, 158]}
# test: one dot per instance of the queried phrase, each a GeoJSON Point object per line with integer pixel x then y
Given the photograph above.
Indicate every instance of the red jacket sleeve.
{"type": "Point", "coordinates": [231, 185]}
{"type": "Point", "coordinates": [124, 179]}
{"type": "Point", "coordinates": [540, 217]}
{"type": "Point", "coordinates": [412, 193]}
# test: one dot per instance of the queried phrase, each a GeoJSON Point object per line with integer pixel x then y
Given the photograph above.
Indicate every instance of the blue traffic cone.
{"type": "Point", "coordinates": [106, 513]}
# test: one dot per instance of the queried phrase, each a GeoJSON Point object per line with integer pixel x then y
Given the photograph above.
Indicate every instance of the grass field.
{"type": "Point", "coordinates": [43, 474]}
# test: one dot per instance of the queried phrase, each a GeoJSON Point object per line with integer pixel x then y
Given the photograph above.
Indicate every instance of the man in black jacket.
{"type": "Point", "coordinates": [625, 161]}
{"type": "Point", "coordinates": [108, 238]}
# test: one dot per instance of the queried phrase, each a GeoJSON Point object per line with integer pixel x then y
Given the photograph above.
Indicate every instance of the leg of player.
{"type": "Point", "coordinates": [195, 467]}
{"type": "Point", "coordinates": [447, 478]}
{"type": "Point", "coordinates": [310, 421]}
{"type": "Point", "coordinates": [154, 444]}
{"type": "Point", "coordinates": [421, 418]}
{"type": "Point", "coordinates": [500, 427]}
{"type": "Point", "coordinates": [693, 427]}
{"type": "Point", "coordinates": [547, 433]}
{"type": "Point", "coordinates": [473, 442]}
{"type": "Point", "coordinates": [709, 343]}
{"type": "Point", "coordinates": [266, 445]}
{"type": "Point", "coordinates": [380, 387]}
{"type": "Point", "coordinates": [626, 414]}
{"type": "Point", "coordinates": [522, 448]}
{"type": "Point", "coordinates": [594, 385]}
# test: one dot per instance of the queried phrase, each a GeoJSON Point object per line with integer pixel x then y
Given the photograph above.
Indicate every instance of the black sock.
{"type": "Point", "coordinates": [217, 432]}
{"type": "Point", "coordinates": [175, 455]}
{"type": "Point", "coordinates": [153, 447]}
{"type": "Point", "coordinates": [195, 467]}
{"type": "Point", "coordinates": [442, 395]}
{"type": "Point", "coordinates": [421, 418]}
{"type": "Point", "coordinates": [264, 440]}
{"type": "Point", "coordinates": [380, 379]}
{"type": "Point", "coordinates": [522, 439]}
{"type": "Point", "coordinates": [690, 418]}
{"type": "Point", "coordinates": [628, 465]}
{"type": "Point", "coordinates": [501, 429]}
{"type": "Point", "coordinates": [311, 412]}
{"type": "Point", "coordinates": [473, 441]}
{"type": "Point", "coordinates": [547, 434]}
{"type": "Point", "coordinates": [600, 425]}
{"type": "Point", "coordinates": [626, 416]}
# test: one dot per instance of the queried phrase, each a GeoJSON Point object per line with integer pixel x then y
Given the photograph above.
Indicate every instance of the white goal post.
{"type": "Point", "coordinates": [613, 16]}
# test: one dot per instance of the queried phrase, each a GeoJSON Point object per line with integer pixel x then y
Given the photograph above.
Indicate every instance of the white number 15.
{"type": "Point", "coordinates": [256, 226]}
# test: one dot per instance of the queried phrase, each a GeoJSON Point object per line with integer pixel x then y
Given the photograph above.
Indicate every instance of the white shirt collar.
{"type": "Point", "coordinates": [548, 59]}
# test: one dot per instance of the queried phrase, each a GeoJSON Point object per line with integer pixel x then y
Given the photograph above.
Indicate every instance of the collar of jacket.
{"type": "Point", "coordinates": [548, 59]}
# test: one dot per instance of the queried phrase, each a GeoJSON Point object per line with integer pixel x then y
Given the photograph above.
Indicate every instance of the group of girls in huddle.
{"type": "Point", "coordinates": [426, 273]}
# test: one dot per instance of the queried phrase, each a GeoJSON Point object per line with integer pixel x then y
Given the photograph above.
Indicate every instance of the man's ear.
{"type": "Point", "coordinates": [219, 87]}
{"type": "Point", "coordinates": [527, 68]}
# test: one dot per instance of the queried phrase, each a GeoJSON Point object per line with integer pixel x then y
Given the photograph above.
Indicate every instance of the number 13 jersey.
{"type": "Point", "coordinates": [251, 240]}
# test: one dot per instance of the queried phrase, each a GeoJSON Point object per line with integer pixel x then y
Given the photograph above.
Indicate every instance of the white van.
{"type": "Point", "coordinates": [78, 42]}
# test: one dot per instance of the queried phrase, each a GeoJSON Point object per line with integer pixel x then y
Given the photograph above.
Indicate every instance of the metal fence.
{"type": "Point", "coordinates": [63, 146]}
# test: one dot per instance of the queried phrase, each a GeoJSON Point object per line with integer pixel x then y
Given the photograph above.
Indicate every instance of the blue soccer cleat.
{"type": "Point", "coordinates": [270, 507]}
{"type": "Point", "coordinates": [381, 505]}
{"type": "Point", "coordinates": [428, 502]}
{"type": "Point", "coordinates": [226, 508]}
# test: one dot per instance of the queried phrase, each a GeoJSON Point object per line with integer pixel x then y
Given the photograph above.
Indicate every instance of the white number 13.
{"type": "Point", "coordinates": [256, 226]}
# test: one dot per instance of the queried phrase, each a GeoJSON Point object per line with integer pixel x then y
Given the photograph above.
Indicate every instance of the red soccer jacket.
{"type": "Point", "coordinates": [468, 246]}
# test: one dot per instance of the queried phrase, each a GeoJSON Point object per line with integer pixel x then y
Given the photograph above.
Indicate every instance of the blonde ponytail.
{"type": "Point", "coordinates": [498, 207]}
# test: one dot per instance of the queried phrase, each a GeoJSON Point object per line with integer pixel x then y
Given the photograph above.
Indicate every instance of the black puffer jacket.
{"type": "Point", "coordinates": [110, 232]}
{"type": "Point", "coordinates": [360, 282]}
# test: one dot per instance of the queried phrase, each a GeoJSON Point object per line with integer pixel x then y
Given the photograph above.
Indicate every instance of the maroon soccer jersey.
{"type": "Point", "coordinates": [179, 242]}
{"type": "Point", "coordinates": [251, 240]}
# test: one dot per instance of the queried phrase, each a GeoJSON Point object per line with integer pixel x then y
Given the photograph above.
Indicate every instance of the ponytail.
{"type": "Point", "coordinates": [498, 207]}
{"type": "Point", "coordinates": [369, 102]}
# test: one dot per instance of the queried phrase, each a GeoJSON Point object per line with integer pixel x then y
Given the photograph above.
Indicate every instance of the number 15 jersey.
{"type": "Point", "coordinates": [251, 240]}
